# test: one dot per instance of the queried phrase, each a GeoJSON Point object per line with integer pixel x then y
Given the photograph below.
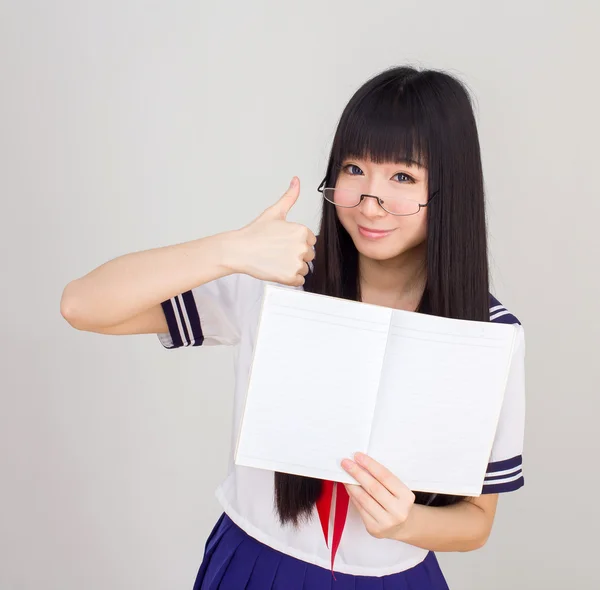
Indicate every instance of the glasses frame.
{"type": "Point", "coordinates": [321, 188]}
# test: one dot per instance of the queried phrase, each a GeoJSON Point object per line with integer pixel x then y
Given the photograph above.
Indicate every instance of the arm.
{"type": "Point", "coordinates": [118, 292]}
{"type": "Point", "coordinates": [465, 526]}
{"type": "Point", "coordinates": [124, 295]}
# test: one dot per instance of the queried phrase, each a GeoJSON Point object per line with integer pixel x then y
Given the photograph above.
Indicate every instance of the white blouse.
{"type": "Point", "coordinates": [226, 311]}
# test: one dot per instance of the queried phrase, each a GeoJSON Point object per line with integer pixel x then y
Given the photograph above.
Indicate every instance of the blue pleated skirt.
{"type": "Point", "coordinates": [233, 560]}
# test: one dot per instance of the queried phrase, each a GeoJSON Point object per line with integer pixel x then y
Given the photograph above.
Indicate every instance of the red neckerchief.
{"type": "Point", "coordinates": [342, 501]}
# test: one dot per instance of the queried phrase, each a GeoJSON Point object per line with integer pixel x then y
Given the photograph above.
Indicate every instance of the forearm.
{"type": "Point", "coordinates": [459, 527]}
{"type": "Point", "coordinates": [130, 284]}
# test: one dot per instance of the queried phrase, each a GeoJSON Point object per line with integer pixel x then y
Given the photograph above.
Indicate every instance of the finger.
{"type": "Point", "coordinates": [367, 503]}
{"type": "Point", "coordinates": [369, 521]}
{"type": "Point", "coordinates": [299, 282]}
{"type": "Point", "coordinates": [309, 255]}
{"type": "Point", "coordinates": [282, 207]}
{"type": "Point", "coordinates": [382, 474]}
{"type": "Point", "coordinates": [303, 268]}
{"type": "Point", "coordinates": [371, 485]}
{"type": "Point", "coordinates": [312, 240]}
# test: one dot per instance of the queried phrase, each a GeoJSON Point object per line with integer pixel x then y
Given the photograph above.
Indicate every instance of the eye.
{"type": "Point", "coordinates": [350, 166]}
{"type": "Point", "coordinates": [405, 178]}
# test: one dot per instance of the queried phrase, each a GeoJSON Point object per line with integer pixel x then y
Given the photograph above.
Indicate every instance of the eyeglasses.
{"type": "Point", "coordinates": [394, 205]}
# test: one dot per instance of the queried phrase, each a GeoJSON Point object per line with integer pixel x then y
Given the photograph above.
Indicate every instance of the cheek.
{"type": "Point", "coordinates": [419, 228]}
{"type": "Point", "coordinates": [411, 232]}
{"type": "Point", "coordinates": [346, 218]}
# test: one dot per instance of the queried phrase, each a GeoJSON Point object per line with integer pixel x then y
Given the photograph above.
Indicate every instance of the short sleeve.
{"type": "Point", "coordinates": [210, 314]}
{"type": "Point", "coordinates": [505, 468]}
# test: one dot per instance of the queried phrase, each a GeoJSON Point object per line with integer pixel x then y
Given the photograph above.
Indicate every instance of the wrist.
{"type": "Point", "coordinates": [404, 533]}
{"type": "Point", "coordinates": [232, 251]}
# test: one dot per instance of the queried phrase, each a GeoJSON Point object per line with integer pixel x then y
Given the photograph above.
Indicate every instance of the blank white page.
{"type": "Point", "coordinates": [439, 400]}
{"type": "Point", "coordinates": [313, 384]}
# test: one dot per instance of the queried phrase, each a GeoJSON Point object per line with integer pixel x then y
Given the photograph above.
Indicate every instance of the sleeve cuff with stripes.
{"type": "Point", "coordinates": [504, 476]}
{"type": "Point", "coordinates": [183, 322]}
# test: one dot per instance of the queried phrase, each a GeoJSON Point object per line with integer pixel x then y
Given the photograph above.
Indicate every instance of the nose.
{"type": "Point", "coordinates": [371, 208]}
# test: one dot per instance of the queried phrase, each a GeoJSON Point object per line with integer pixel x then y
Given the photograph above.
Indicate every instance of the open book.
{"type": "Point", "coordinates": [420, 394]}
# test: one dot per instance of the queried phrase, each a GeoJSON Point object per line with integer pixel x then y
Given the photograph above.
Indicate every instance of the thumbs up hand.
{"type": "Point", "coordinates": [275, 249]}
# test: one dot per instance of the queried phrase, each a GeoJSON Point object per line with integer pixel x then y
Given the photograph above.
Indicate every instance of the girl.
{"type": "Point", "coordinates": [403, 226]}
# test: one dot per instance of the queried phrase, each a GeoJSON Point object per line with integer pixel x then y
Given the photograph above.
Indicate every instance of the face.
{"type": "Point", "coordinates": [376, 233]}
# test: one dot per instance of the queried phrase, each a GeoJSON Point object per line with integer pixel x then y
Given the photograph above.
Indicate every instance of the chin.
{"type": "Point", "coordinates": [380, 250]}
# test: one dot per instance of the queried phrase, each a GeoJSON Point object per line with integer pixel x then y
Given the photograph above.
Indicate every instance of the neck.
{"type": "Point", "coordinates": [398, 282]}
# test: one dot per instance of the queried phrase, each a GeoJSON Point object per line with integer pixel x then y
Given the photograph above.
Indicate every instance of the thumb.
{"type": "Point", "coordinates": [282, 207]}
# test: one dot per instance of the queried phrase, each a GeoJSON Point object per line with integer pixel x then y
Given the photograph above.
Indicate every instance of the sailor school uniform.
{"type": "Point", "coordinates": [248, 547]}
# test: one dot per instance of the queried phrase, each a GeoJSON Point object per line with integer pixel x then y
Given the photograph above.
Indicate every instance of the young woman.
{"type": "Point", "coordinates": [403, 226]}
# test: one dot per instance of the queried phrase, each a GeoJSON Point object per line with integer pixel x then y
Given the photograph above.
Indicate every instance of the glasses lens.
{"type": "Point", "coordinates": [400, 206]}
{"type": "Point", "coordinates": [342, 197]}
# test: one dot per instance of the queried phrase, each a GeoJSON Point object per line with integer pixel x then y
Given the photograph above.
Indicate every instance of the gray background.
{"type": "Point", "coordinates": [129, 125]}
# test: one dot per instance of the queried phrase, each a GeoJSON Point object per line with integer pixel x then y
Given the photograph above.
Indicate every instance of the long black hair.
{"type": "Point", "coordinates": [424, 116]}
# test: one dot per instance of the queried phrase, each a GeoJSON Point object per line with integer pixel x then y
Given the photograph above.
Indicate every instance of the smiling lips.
{"type": "Point", "coordinates": [374, 234]}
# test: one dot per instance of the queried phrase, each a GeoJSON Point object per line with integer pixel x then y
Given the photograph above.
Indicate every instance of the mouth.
{"type": "Point", "coordinates": [374, 234]}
